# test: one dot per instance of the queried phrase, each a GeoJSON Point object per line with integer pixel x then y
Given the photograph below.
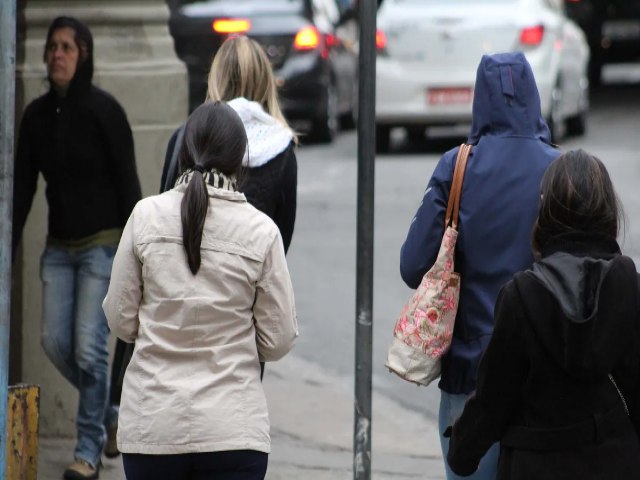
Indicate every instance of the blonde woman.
{"type": "Point", "coordinates": [241, 75]}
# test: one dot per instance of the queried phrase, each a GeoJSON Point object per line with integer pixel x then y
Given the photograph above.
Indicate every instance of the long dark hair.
{"type": "Point", "coordinates": [214, 139]}
{"type": "Point", "coordinates": [577, 196]}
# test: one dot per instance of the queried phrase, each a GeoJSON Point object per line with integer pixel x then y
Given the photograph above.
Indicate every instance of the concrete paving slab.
{"type": "Point", "coordinates": [312, 432]}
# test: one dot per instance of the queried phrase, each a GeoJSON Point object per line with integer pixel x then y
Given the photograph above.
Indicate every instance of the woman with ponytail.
{"type": "Point", "coordinates": [200, 284]}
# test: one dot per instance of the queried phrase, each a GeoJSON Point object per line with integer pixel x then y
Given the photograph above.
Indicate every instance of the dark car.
{"type": "Point", "coordinates": [612, 28]}
{"type": "Point", "coordinates": [310, 43]}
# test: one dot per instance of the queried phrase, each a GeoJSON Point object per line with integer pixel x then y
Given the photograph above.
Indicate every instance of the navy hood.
{"type": "Point", "coordinates": [506, 99]}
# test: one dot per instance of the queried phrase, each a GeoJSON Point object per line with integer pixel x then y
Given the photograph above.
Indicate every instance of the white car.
{"type": "Point", "coordinates": [429, 51]}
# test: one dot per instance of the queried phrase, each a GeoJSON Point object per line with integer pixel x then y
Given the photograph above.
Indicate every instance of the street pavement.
{"type": "Point", "coordinates": [312, 432]}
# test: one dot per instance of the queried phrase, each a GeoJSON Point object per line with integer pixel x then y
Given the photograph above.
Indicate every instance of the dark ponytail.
{"type": "Point", "coordinates": [214, 139]}
{"type": "Point", "coordinates": [193, 211]}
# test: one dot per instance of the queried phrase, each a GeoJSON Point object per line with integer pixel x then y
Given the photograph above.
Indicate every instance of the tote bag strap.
{"type": "Point", "coordinates": [453, 205]}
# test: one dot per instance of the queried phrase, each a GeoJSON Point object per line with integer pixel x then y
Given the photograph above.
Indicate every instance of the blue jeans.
{"type": "Point", "coordinates": [75, 335]}
{"type": "Point", "coordinates": [451, 407]}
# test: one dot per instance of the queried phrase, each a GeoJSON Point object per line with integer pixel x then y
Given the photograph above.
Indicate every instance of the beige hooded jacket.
{"type": "Point", "coordinates": [193, 384]}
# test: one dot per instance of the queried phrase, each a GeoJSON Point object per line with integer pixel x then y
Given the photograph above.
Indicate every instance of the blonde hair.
{"type": "Point", "coordinates": [241, 68]}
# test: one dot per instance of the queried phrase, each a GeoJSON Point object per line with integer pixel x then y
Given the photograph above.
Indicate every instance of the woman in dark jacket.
{"type": "Point", "coordinates": [497, 210]}
{"type": "Point", "coordinates": [78, 137]}
{"type": "Point", "coordinates": [241, 75]}
{"type": "Point", "coordinates": [559, 384]}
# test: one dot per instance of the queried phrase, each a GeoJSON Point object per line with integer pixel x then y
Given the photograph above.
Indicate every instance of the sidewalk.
{"type": "Point", "coordinates": [312, 432]}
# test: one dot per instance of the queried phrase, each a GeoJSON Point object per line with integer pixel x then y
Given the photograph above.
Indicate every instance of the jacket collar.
{"type": "Point", "coordinates": [218, 185]}
{"type": "Point", "coordinates": [212, 178]}
{"type": "Point", "coordinates": [582, 244]}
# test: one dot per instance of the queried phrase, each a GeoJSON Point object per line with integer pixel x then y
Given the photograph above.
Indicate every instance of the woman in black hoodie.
{"type": "Point", "coordinates": [78, 137]}
{"type": "Point", "coordinates": [559, 385]}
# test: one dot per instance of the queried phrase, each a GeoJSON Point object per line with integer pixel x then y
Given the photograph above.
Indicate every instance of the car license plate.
{"type": "Point", "coordinates": [450, 96]}
{"type": "Point", "coordinates": [621, 30]}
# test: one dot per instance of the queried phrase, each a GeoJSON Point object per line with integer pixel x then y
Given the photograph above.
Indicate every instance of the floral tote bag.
{"type": "Point", "coordinates": [423, 332]}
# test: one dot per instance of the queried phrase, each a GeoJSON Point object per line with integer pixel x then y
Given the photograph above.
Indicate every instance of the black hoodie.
{"type": "Point", "coordinates": [561, 329]}
{"type": "Point", "coordinates": [598, 300]}
{"type": "Point", "coordinates": [83, 145]}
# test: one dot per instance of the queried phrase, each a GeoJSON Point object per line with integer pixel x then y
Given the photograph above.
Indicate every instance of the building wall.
{"type": "Point", "coordinates": [135, 62]}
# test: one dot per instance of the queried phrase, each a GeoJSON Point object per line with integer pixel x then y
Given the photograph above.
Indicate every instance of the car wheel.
{"type": "Point", "coordinates": [349, 120]}
{"type": "Point", "coordinates": [416, 134]}
{"type": "Point", "coordinates": [325, 128]}
{"type": "Point", "coordinates": [555, 121]}
{"type": "Point", "coordinates": [577, 124]}
{"type": "Point", "coordinates": [595, 70]}
{"type": "Point", "coordinates": [383, 138]}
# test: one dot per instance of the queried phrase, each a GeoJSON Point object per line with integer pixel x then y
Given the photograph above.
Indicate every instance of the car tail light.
{"type": "Point", "coordinates": [532, 35]}
{"type": "Point", "coordinates": [331, 40]}
{"type": "Point", "coordinates": [308, 38]}
{"type": "Point", "coordinates": [231, 25]}
{"type": "Point", "coordinates": [381, 40]}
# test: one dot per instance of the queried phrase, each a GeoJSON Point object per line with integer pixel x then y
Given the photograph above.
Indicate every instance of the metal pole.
{"type": "Point", "coordinates": [7, 118]}
{"type": "Point", "coordinates": [364, 262]}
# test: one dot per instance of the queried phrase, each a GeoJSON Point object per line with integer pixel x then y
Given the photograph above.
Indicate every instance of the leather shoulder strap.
{"type": "Point", "coordinates": [453, 206]}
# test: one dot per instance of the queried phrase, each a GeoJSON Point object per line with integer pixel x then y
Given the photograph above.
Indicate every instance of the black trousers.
{"type": "Point", "coordinates": [229, 465]}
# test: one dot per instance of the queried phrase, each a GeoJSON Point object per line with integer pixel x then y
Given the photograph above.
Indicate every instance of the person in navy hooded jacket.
{"type": "Point", "coordinates": [498, 207]}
